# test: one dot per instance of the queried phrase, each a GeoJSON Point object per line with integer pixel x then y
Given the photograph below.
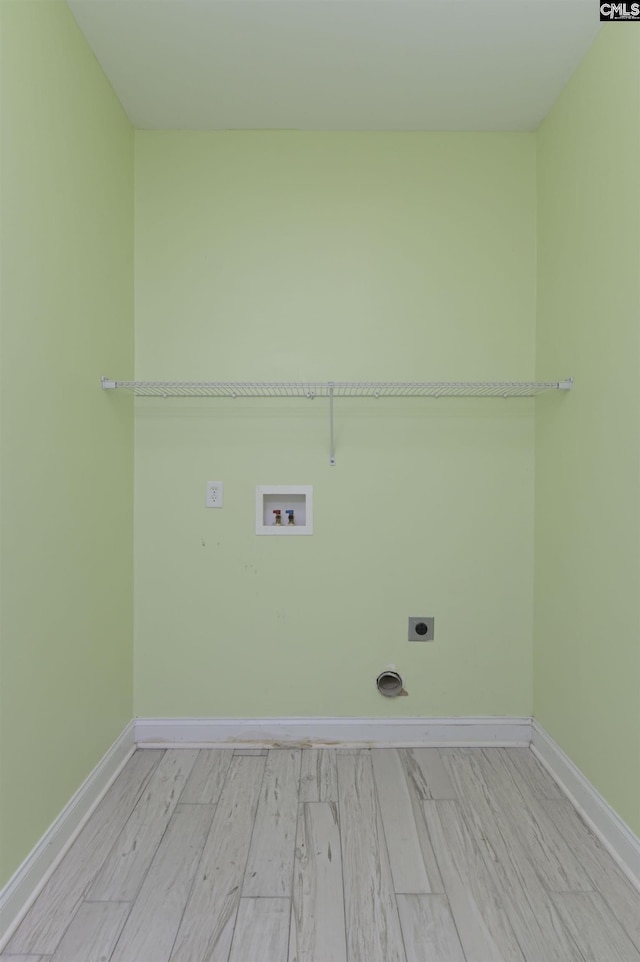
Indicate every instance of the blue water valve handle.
{"type": "Point", "coordinates": [290, 513]}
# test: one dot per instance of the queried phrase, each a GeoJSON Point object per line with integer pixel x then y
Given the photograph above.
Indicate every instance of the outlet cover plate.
{"type": "Point", "coordinates": [215, 491]}
{"type": "Point", "coordinates": [421, 628]}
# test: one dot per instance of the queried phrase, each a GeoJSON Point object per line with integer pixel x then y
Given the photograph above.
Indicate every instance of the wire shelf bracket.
{"type": "Point", "coordinates": [333, 389]}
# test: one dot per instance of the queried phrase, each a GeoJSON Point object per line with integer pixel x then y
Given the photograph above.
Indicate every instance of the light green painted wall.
{"type": "Point", "coordinates": [66, 499]}
{"type": "Point", "coordinates": [587, 616]}
{"type": "Point", "coordinates": [285, 255]}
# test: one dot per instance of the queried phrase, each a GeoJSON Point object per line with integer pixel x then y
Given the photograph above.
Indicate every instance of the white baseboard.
{"type": "Point", "coordinates": [614, 834]}
{"type": "Point", "coordinates": [331, 732]}
{"type": "Point", "coordinates": [22, 888]}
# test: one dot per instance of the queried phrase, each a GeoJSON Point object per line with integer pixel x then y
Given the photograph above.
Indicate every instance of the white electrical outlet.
{"type": "Point", "coordinates": [214, 494]}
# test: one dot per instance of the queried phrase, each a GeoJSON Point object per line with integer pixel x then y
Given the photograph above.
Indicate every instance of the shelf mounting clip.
{"type": "Point", "coordinates": [332, 450]}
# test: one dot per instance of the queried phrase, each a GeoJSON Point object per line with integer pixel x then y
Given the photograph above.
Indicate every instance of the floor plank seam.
{"type": "Point", "coordinates": [83, 898]}
{"type": "Point", "coordinates": [344, 886]}
{"type": "Point", "coordinates": [521, 884]}
{"type": "Point", "coordinates": [402, 935]}
{"type": "Point", "coordinates": [253, 828]}
{"type": "Point", "coordinates": [385, 842]}
{"type": "Point", "coordinates": [441, 869]}
{"type": "Point", "coordinates": [293, 865]}
{"type": "Point", "coordinates": [197, 871]}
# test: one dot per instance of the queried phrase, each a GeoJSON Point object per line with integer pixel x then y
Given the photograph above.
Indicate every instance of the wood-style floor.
{"type": "Point", "coordinates": [383, 855]}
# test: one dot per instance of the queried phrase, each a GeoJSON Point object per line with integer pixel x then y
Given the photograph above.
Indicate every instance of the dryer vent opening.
{"type": "Point", "coordinates": [389, 683]}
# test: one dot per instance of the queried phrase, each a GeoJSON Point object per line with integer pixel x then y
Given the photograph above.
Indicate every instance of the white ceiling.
{"type": "Point", "coordinates": [338, 64]}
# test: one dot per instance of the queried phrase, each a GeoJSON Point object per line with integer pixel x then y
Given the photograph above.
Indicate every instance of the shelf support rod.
{"type": "Point", "coordinates": [108, 385]}
{"type": "Point", "coordinates": [332, 450]}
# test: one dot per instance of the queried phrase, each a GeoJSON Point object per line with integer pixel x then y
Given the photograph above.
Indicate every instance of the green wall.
{"type": "Point", "coordinates": [289, 255]}
{"type": "Point", "coordinates": [66, 447]}
{"type": "Point", "coordinates": [587, 615]}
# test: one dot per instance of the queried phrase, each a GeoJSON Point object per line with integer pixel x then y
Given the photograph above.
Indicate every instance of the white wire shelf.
{"type": "Point", "coordinates": [336, 389]}
{"type": "Point", "coordinates": [313, 389]}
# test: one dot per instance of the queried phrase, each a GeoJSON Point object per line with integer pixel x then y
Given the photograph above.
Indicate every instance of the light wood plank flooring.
{"type": "Point", "coordinates": [323, 855]}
